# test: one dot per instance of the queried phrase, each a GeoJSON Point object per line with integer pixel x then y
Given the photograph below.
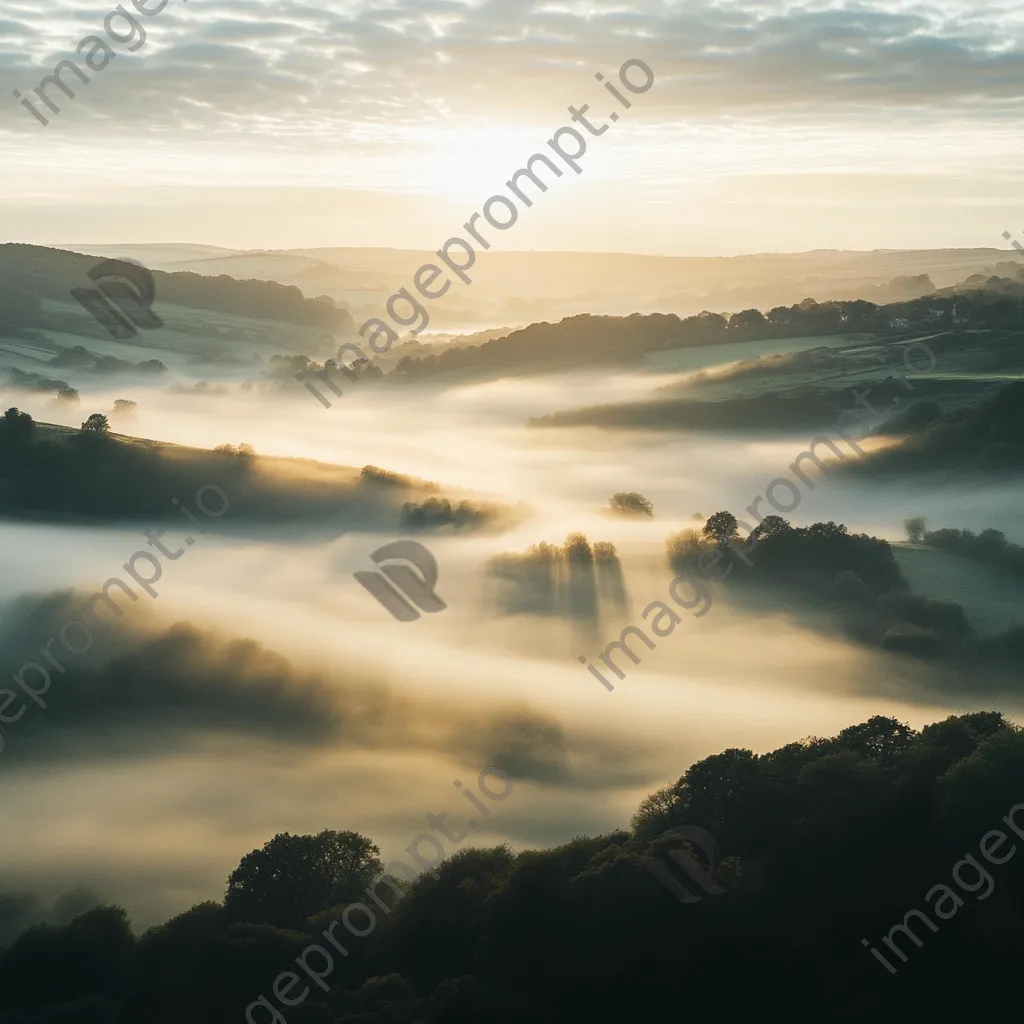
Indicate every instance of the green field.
{"type": "Point", "coordinates": [991, 599]}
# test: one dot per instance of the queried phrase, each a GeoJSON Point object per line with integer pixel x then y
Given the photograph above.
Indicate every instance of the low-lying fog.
{"type": "Point", "coordinates": [150, 799]}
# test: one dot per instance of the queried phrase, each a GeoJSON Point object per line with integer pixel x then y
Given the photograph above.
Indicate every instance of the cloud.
{"type": "Point", "coordinates": [21, 910]}
{"type": "Point", "coordinates": [367, 70]}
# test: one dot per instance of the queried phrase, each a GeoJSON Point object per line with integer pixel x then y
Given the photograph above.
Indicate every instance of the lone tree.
{"type": "Point", "coordinates": [631, 504]}
{"type": "Point", "coordinates": [915, 529]}
{"type": "Point", "coordinates": [96, 426]}
{"type": "Point", "coordinates": [721, 528]}
{"type": "Point", "coordinates": [294, 877]}
{"type": "Point", "coordinates": [68, 395]}
{"type": "Point", "coordinates": [17, 426]}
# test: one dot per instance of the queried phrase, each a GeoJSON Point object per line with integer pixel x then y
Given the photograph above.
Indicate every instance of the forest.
{"type": "Point", "coordinates": [824, 842]}
{"type": "Point", "coordinates": [990, 304]}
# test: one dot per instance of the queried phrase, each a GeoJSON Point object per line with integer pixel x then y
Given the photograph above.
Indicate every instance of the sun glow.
{"type": "Point", "coordinates": [474, 162]}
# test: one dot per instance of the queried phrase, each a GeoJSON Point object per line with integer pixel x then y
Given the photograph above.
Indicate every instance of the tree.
{"type": "Point", "coordinates": [16, 426]}
{"type": "Point", "coordinates": [747, 320]}
{"type": "Point", "coordinates": [878, 737]}
{"type": "Point", "coordinates": [96, 426]}
{"type": "Point", "coordinates": [244, 450]}
{"type": "Point", "coordinates": [827, 531]}
{"type": "Point", "coordinates": [125, 405]}
{"type": "Point", "coordinates": [771, 526]}
{"type": "Point", "coordinates": [577, 548]}
{"type": "Point", "coordinates": [915, 528]}
{"type": "Point", "coordinates": [991, 543]}
{"type": "Point", "coordinates": [294, 877]}
{"type": "Point", "coordinates": [713, 322]}
{"type": "Point", "coordinates": [721, 527]}
{"type": "Point", "coordinates": [631, 504]}
{"type": "Point", "coordinates": [67, 394]}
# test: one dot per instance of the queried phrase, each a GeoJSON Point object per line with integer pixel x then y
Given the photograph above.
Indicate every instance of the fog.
{"type": "Point", "coordinates": [149, 790]}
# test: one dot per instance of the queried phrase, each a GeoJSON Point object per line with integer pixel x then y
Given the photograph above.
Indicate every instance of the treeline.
{"type": "Point", "coordinates": [987, 437]}
{"type": "Point", "coordinates": [79, 357]}
{"type": "Point", "coordinates": [437, 512]}
{"type": "Point", "coordinates": [850, 579]}
{"type": "Point", "coordinates": [583, 338]}
{"type": "Point", "coordinates": [586, 339]}
{"type": "Point", "coordinates": [989, 546]}
{"type": "Point", "coordinates": [824, 842]}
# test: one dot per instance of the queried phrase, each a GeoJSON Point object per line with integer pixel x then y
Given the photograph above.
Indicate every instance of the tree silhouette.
{"type": "Point", "coordinates": [721, 527]}
{"type": "Point", "coordinates": [915, 528]}
{"type": "Point", "coordinates": [294, 877]}
{"type": "Point", "coordinates": [96, 425]}
{"type": "Point", "coordinates": [632, 503]}
{"type": "Point", "coordinates": [16, 427]}
{"type": "Point", "coordinates": [771, 526]}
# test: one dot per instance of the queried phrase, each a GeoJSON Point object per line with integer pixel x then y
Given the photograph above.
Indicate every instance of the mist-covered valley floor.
{"type": "Point", "coordinates": [263, 690]}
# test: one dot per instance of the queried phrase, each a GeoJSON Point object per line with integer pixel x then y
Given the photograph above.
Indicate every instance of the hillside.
{"type": "Point", "coordinates": [36, 285]}
{"type": "Point", "coordinates": [524, 287]}
{"type": "Point", "coordinates": [986, 439]}
{"type": "Point", "coordinates": [53, 473]}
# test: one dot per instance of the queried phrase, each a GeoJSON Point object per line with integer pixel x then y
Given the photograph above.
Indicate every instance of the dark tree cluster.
{"type": "Point", "coordinates": [435, 512]}
{"type": "Point", "coordinates": [78, 356]}
{"type": "Point", "coordinates": [16, 428]}
{"type": "Point", "coordinates": [824, 842]}
{"type": "Point", "coordinates": [989, 546]}
{"type": "Point", "coordinates": [985, 438]}
{"type": "Point", "coordinates": [374, 475]}
{"type": "Point", "coordinates": [243, 450]}
{"type": "Point", "coordinates": [574, 579]}
{"type": "Point", "coordinates": [51, 472]}
{"type": "Point", "coordinates": [583, 338]}
{"type": "Point", "coordinates": [855, 580]}
{"type": "Point", "coordinates": [631, 504]}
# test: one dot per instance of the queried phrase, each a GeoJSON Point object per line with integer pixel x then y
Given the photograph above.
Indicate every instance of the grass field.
{"type": "Point", "coordinates": [991, 599]}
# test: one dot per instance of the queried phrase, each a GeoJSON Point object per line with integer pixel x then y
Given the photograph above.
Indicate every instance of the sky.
{"type": "Point", "coordinates": [770, 126]}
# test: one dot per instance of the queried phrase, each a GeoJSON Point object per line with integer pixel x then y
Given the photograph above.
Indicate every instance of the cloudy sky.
{"type": "Point", "coordinates": [771, 126]}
